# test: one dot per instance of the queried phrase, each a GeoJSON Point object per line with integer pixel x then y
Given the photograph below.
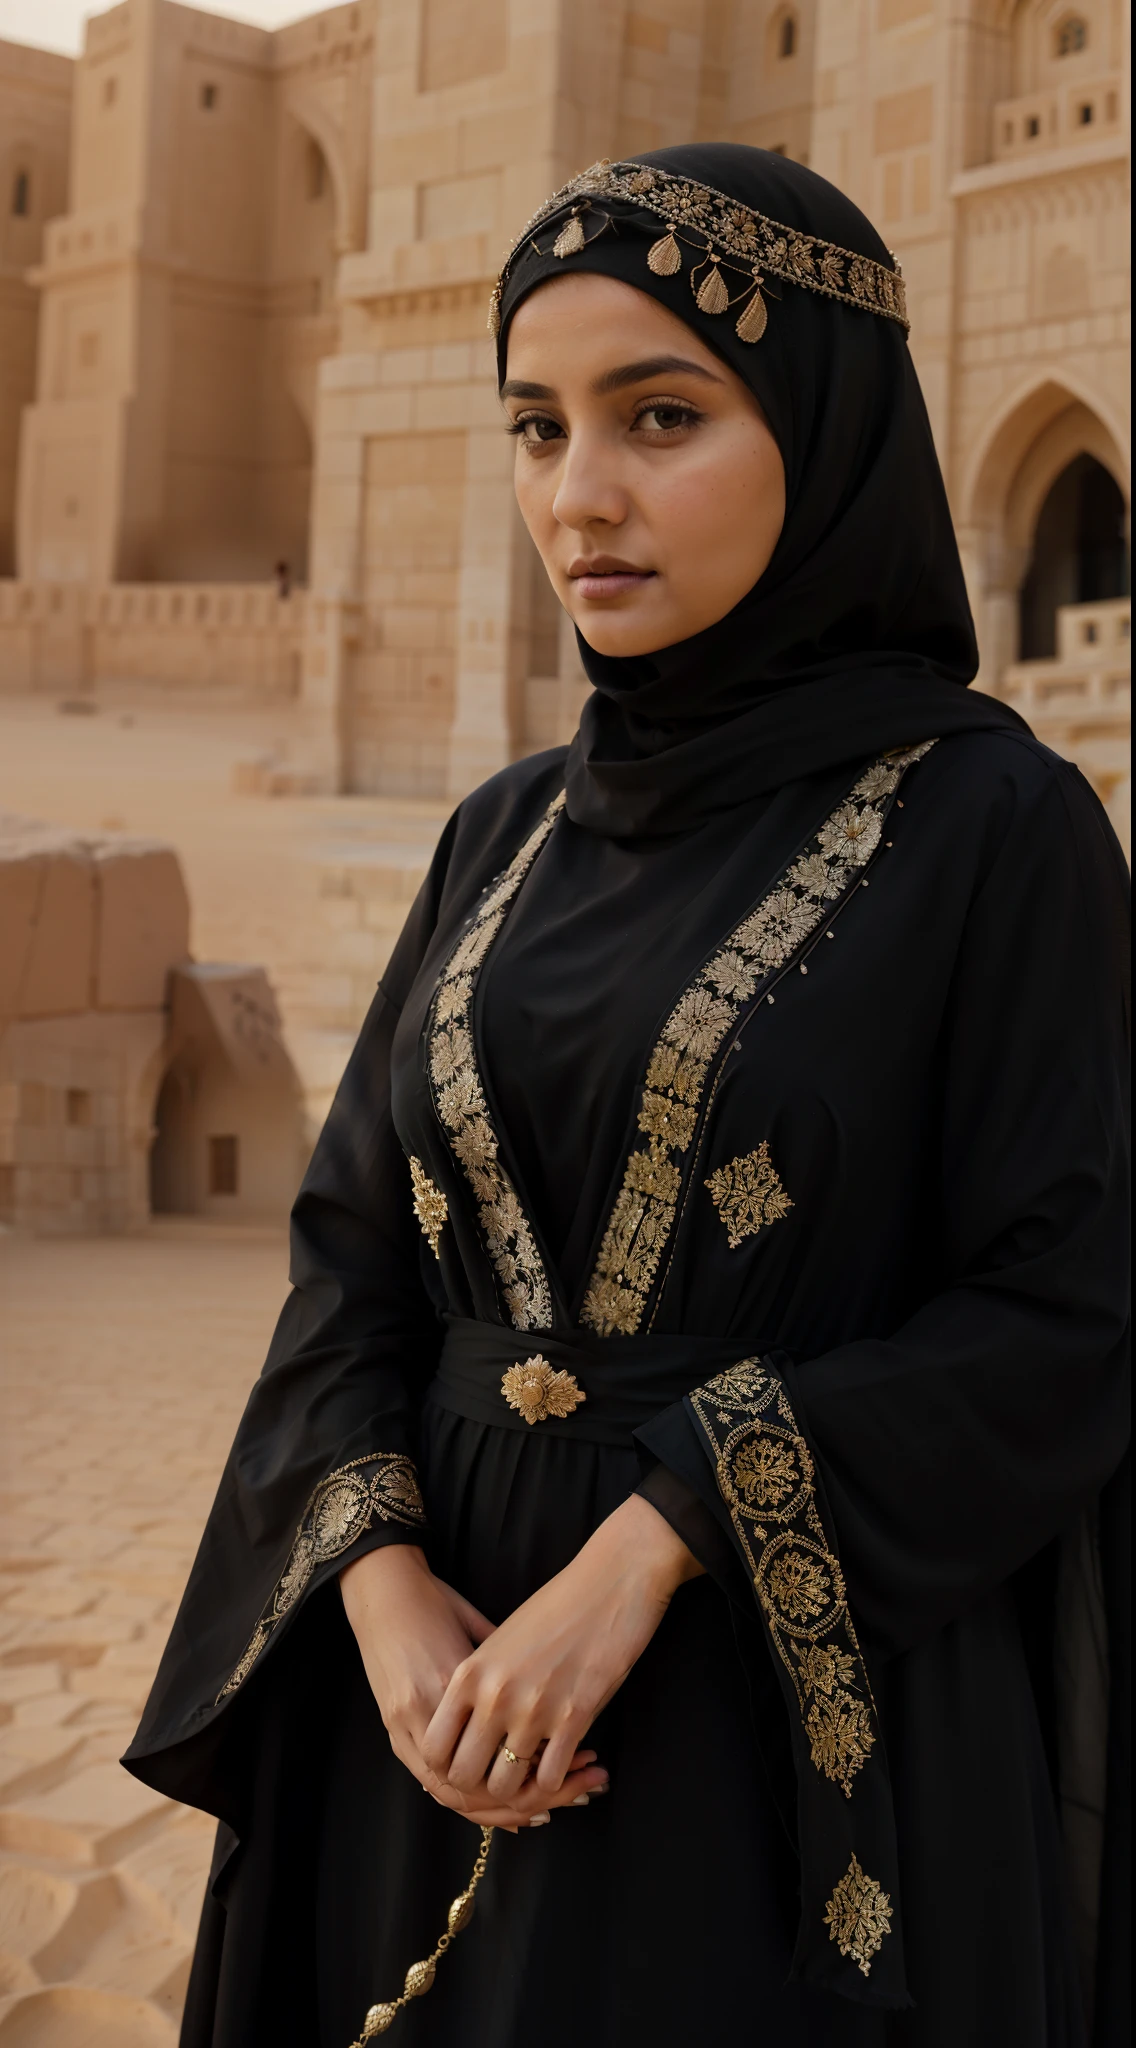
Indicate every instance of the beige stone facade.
{"type": "Point", "coordinates": [262, 338]}
{"type": "Point", "coordinates": [35, 139]}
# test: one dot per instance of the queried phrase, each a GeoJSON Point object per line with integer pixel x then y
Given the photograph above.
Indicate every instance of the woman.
{"type": "Point", "coordinates": [703, 1375]}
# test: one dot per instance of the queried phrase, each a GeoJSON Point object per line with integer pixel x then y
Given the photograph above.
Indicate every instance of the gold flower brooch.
{"type": "Point", "coordinates": [537, 1391]}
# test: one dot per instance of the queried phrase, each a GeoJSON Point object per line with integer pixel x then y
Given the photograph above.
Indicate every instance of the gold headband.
{"type": "Point", "coordinates": [728, 234]}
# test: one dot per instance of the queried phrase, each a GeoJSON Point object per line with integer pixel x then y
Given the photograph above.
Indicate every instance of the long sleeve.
{"type": "Point", "coordinates": [323, 1464]}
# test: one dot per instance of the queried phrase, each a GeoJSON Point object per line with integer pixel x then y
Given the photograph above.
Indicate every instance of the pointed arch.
{"type": "Point", "coordinates": [1040, 428]}
{"type": "Point", "coordinates": [310, 115]}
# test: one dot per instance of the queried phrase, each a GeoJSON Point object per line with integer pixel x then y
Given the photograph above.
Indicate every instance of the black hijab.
{"type": "Point", "coordinates": [858, 636]}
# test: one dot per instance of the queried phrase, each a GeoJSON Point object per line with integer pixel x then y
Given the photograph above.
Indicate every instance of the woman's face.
{"type": "Point", "coordinates": [645, 471]}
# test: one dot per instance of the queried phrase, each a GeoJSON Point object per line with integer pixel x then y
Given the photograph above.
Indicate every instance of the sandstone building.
{"type": "Point", "coordinates": [133, 1080]}
{"type": "Point", "coordinates": [261, 338]}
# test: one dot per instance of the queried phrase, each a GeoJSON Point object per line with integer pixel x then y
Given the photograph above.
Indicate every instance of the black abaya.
{"type": "Point", "coordinates": [792, 1127]}
{"type": "Point", "coordinates": [943, 1199]}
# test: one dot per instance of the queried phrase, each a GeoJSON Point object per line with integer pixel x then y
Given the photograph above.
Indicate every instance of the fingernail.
{"type": "Point", "coordinates": [538, 1820]}
{"type": "Point", "coordinates": [598, 1791]}
{"type": "Point", "coordinates": [581, 1800]}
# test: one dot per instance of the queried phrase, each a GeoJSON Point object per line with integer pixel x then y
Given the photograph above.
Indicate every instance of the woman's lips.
{"type": "Point", "coordinates": [596, 584]}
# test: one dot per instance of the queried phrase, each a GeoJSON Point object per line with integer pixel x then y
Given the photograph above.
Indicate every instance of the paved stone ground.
{"type": "Point", "coordinates": [125, 1367]}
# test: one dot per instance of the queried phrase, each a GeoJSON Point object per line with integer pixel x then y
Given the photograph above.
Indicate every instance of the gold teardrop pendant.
{"type": "Point", "coordinates": [664, 257]}
{"type": "Point", "coordinates": [752, 319]}
{"type": "Point", "coordinates": [712, 296]}
{"type": "Point", "coordinates": [570, 240]}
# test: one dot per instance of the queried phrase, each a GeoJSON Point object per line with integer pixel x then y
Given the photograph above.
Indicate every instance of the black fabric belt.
{"type": "Point", "coordinates": [613, 1384]}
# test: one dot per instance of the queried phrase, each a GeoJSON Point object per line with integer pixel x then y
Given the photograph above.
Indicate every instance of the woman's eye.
{"type": "Point", "coordinates": [538, 428]}
{"type": "Point", "coordinates": [663, 419]}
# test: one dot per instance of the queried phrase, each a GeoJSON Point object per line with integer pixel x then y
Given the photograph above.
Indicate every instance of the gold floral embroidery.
{"type": "Point", "coordinates": [765, 1477]}
{"type": "Point", "coordinates": [801, 899]}
{"type": "Point", "coordinates": [748, 1194]}
{"type": "Point", "coordinates": [381, 1487]}
{"type": "Point", "coordinates": [536, 1390]}
{"type": "Point", "coordinates": [430, 1205]}
{"type": "Point", "coordinates": [858, 1916]}
{"type": "Point", "coordinates": [461, 1102]}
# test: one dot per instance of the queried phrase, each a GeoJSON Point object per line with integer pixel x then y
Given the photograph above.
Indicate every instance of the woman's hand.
{"type": "Point", "coordinates": [536, 1684]}
{"type": "Point", "coordinates": [413, 1631]}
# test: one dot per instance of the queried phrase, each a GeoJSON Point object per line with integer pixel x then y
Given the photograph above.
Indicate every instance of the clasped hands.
{"type": "Point", "coordinates": [455, 1692]}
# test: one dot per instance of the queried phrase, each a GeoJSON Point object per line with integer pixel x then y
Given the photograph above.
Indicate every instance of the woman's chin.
{"type": "Point", "coordinates": [622, 636]}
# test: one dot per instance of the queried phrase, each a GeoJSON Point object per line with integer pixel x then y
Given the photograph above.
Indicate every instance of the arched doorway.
{"type": "Point", "coordinates": [227, 1124]}
{"type": "Point", "coordinates": [172, 1191]}
{"type": "Point", "coordinates": [1080, 553]}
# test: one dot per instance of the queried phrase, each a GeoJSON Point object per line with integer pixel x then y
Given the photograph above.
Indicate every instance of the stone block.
{"type": "Point", "coordinates": [143, 923]}
{"type": "Point", "coordinates": [46, 920]}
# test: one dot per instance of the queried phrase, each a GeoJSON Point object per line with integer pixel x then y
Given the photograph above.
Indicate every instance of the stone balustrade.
{"type": "Point", "coordinates": [1079, 702]}
{"type": "Point", "coordinates": [243, 638]}
{"type": "Point", "coordinates": [1048, 120]}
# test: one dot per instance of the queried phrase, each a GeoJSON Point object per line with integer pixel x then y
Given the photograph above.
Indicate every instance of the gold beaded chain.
{"type": "Point", "coordinates": [420, 1976]}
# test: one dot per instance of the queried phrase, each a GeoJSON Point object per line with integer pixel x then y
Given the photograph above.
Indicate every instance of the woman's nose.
{"type": "Point", "coordinates": [588, 489]}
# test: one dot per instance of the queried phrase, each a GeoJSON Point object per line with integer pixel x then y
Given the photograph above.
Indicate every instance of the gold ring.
{"type": "Point", "coordinates": [511, 1757]}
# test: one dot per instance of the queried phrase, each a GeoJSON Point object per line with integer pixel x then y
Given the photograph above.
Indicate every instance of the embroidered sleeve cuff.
{"type": "Point", "coordinates": [369, 1495]}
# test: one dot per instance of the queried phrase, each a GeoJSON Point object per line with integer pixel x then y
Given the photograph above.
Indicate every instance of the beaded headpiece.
{"type": "Point", "coordinates": [726, 236]}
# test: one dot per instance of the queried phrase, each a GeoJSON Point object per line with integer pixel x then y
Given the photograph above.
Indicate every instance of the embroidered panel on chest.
{"type": "Point", "coordinates": [462, 1107]}
{"type": "Point", "coordinates": [685, 1063]}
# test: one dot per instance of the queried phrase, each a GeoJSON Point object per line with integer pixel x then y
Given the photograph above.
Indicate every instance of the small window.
{"type": "Point", "coordinates": [316, 171]}
{"type": "Point", "coordinates": [21, 194]}
{"type": "Point", "coordinates": [223, 1166]}
{"type": "Point", "coordinates": [1071, 35]}
{"type": "Point", "coordinates": [78, 1107]}
{"type": "Point", "coordinates": [1033, 126]}
{"type": "Point", "coordinates": [1090, 633]}
{"type": "Point", "coordinates": [110, 91]}
{"type": "Point", "coordinates": [210, 94]}
{"type": "Point", "coordinates": [1085, 113]}
{"type": "Point", "coordinates": [787, 36]}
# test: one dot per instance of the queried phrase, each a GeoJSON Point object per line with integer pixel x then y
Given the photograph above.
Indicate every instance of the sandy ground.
{"type": "Point", "coordinates": [125, 1365]}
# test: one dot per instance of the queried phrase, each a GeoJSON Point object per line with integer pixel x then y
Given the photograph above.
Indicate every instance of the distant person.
{"type": "Point", "coordinates": [283, 575]}
{"type": "Point", "coordinates": [704, 1380]}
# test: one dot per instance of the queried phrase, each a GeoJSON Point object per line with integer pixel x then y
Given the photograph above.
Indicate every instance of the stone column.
{"type": "Point", "coordinates": [334, 613]}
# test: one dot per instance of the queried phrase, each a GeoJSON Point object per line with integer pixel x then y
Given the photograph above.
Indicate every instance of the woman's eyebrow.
{"type": "Point", "coordinates": [651, 366]}
{"type": "Point", "coordinates": [617, 380]}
